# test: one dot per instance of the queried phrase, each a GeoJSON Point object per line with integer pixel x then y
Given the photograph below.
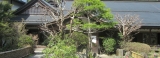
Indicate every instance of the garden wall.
{"type": "Point", "coordinates": [17, 53]}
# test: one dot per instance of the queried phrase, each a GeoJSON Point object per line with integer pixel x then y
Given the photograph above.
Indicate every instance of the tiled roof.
{"type": "Point", "coordinates": [148, 11]}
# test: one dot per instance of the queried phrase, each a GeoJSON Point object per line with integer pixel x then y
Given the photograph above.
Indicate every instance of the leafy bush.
{"type": "Point", "coordinates": [61, 50]}
{"type": "Point", "coordinates": [25, 40]}
{"type": "Point", "coordinates": [7, 36]}
{"type": "Point", "coordinates": [64, 46]}
{"type": "Point", "coordinates": [12, 34]}
{"type": "Point", "coordinates": [109, 44]}
{"type": "Point", "coordinates": [46, 42]}
{"type": "Point", "coordinates": [137, 47]}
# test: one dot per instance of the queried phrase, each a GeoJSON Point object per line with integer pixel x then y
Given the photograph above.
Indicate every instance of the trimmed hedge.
{"type": "Point", "coordinates": [109, 45]}
{"type": "Point", "coordinates": [137, 47]}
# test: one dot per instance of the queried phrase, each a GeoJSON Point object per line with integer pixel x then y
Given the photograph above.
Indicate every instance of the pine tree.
{"type": "Point", "coordinates": [91, 16]}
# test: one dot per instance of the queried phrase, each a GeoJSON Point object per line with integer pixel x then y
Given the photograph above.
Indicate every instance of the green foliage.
{"type": "Point", "coordinates": [5, 29]}
{"type": "Point", "coordinates": [109, 44]}
{"type": "Point", "coordinates": [25, 40]}
{"type": "Point", "coordinates": [5, 14]}
{"type": "Point", "coordinates": [12, 35]}
{"type": "Point", "coordinates": [79, 38]}
{"type": "Point", "coordinates": [61, 50]}
{"type": "Point", "coordinates": [46, 42]}
{"type": "Point", "coordinates": [7, 35]}
{"type": "Point", "coordinates": [100, 18]}
{"type": "Point", "coordinates": [5, 11]}
{"type": "Point", "coordinates": [120, 35]}
{"type": "Point", "coordinates": [102, 25]}
{"type": "Point", "coordinates": [93, 7]}
{"type": "Point", "coordinates": [91, 15]}
{"type": "Point", "coordinates": [137, 47]}
{"type": "Point", "coordinates": [65, 47]}
{"type": "Point", "coordinates": [94, 10]}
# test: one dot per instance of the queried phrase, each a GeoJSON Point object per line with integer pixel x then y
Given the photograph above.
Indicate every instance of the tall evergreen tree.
{"type": "Point", "coordinates": [12, 35]}
{"type": "Point", "coordinates": [5, 30]}
{"type": "Point", "coordinates": [5, 11]}
{"type": "Point", "coordinates": [92, 16]}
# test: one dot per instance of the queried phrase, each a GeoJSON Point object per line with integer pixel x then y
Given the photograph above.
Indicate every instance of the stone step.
{"type": "Point", "coordinates": [36, 56]}
{"type": "Point", "coordinates": [104, 56]}
{"type": "Point", "coordinates": [38, 50]}
{"type": "Point", "coordinates": [40, 46]}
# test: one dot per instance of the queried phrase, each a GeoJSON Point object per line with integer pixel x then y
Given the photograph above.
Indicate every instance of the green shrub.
{"type": "Point", "coordinates": [109, 44]}
{"type": "Point", "coordinates": [61, 50]}
{"type": "Point", "coordinates": [46, 42]}
{"type": "Point", "coordinates": [25, 40]}
{"type": "Point", "coordinates": [137, 47]}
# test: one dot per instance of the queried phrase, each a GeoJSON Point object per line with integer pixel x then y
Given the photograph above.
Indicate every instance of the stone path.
{"type": "Point", "coordinates": [38, 53]}
{"type": "Point", "coordinates": [104, 56]}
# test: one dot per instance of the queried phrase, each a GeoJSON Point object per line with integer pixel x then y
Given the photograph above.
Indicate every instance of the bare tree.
{"type": "Point", "coordinates": [128, 24]}
{"type": "Point", "coordinates": [57, 15]}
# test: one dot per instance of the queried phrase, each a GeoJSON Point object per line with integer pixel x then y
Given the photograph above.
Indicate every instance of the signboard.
{"type": "Point", "coordinates": [93, 38]}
